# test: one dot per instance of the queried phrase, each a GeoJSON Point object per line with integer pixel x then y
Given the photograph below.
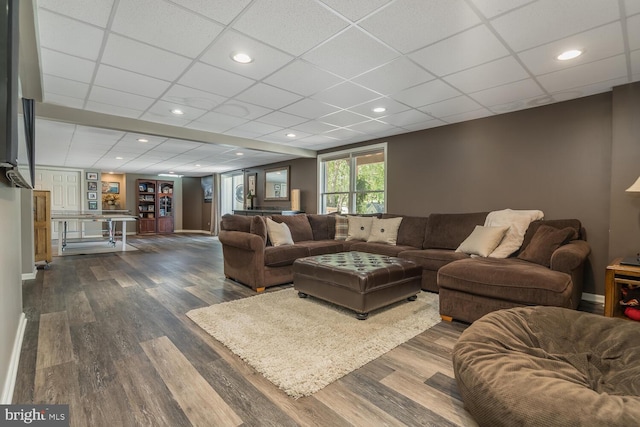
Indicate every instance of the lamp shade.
{"type": "Point", "coordinates": [295, 199]}
{"type": "Point", "coordinates": [635, 188]}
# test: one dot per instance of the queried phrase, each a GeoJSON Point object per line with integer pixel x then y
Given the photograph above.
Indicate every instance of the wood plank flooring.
{"type": "Point", "coordinates": [107, 334]}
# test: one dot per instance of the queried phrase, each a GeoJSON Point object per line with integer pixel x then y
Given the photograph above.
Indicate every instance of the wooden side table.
{"type": "Point", "coordinates": [617, 275]}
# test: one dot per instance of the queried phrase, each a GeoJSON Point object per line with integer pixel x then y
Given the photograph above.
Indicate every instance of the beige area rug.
{"type": "Point", "coordinates": [303, 344]}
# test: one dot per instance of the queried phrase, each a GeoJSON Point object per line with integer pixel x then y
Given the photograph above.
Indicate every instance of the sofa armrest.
{"type": "Point", "coordinates": [570, 256]}
{"type": "Point", "coordinates": [241, 240]}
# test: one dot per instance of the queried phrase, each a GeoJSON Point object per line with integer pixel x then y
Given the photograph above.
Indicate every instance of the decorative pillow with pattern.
{"type": "Point", "coordinates": [359, 227]}
{"type": "Point", "coordinates": [384, 230]}
{"type": "Point", "coordinates": [279, 233]}
{"type": "Point", "coordinates": [342, 228]}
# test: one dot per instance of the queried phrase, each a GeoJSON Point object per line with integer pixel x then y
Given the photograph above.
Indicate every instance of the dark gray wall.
{"type": "Point", "coordinates": [193, 199]}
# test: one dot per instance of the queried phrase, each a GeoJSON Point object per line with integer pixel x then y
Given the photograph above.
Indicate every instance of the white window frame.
{"type": "Point", "coordinates": [351, 154]}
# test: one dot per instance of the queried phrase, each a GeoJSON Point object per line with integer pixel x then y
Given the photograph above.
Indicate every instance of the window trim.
{"type": "Point", "coordinates": [350, 154]}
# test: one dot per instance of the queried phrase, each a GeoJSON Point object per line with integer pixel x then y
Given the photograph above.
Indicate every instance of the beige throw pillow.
{"type": "Point", "coordinates": [359, 227]}
{"type": "Point", "coordinates": [279, 233]}
{"type": "Point", "coordinates": [482, 240]}
{"type": "Point", "coordinates": [384, 230]}
{"type": "Point", "coordinates": [518, 222]}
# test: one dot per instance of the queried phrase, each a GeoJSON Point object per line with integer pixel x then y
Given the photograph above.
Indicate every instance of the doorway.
{"type": "Point", "coordinates": [232, 192]}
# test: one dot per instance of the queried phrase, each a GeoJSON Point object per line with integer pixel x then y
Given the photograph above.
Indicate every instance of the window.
{"type": "Point", "coordinates": [232, 192]}
{"type": "Point", "coordinates": [353, 181]}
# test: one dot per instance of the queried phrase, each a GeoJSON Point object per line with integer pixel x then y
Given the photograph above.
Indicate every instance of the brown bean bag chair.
{"type": "Point", "coordinates": [550, 366]}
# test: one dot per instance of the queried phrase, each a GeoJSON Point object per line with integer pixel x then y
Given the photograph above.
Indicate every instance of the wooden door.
{"type": "Point", "coordinates": [65, 195]}
{"type": "Point", "coordinates": [42, 225]}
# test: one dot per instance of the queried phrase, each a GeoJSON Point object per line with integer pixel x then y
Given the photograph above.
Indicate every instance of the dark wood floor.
{"type": "Point", "coordinates": [107, 334]}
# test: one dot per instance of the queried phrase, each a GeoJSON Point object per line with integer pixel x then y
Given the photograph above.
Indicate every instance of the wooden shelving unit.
{"type": "Point", "coordinates": [154, 206]}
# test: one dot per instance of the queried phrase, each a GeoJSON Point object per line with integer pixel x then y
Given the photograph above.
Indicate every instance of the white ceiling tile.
{"type": "Point", "coordinates": [393, 77]}
{"type": "Point", "coordinates": [491, 8]}
{"type": "Point", "coordinates": [214, 80]}
{"type": "Point", "coordinates": [143, 59]}
{"type": "Point", "coordinates": [355, 9]}
{"type": "Point", "coordinates": [258, 128]}
{"type": "Point", "coordinates": [411, 24]}
{"type": "Point", "coordinates": [469, 115]}
{"type": "Point", "coordinates": [585, 74]}
{"type": "Point", "coordinates": [97, 135]}
{"type": "Point", "coordinates": [407, 118]}
{"type": "Point", "coordinates": [294, 27]}
{"type": "Point", "coordinates": [599, 43]}
{"type": "Point", "coordinates": [67, 101]}
{"type": "Point", "coordinates": [56, 131]}
{"type": "Point", "coordinates": [97, 14]}
{"type": "Point", "coordinates": [113, 109]}
{"type": "Point", "coordinates": [468, 49]}
{"type": "Point", "coordinates": [127, 81]}
{"type": "Point", "coordinates": [392, 107]}
{"type": "Point", "coordinates": [67, 66]}
{"type": "Point", "coordinates": [120, 99]}
{"type": "Point", "coordinates": [587, 90]}
{"type": "Point", "coordinates": [222, 11]}
{"type": "Point", "coordinates": [632, 6]}
{"type": "Point", "coordinates": [424, 125]}
{"type": "Point", "coordinates": [302, 78]}
{"type": "Point", "coordinates": [496, 73]}
{"type": "Point", "coordinates": [508, 93]}
{"type": "Point", "coordinates": [165, 25]}
{"type": "Point", "coordinates": [282, 137]}
{"type": "Point", "coordinates": [343, 118]}
{"type": "Point", "coordinates": [243, 110]}
{"type": "Point", "coordinates": [178, 145]}
{"type": "Point", "coordinates": [633, 30]}
{"type": "Point", "coordinates": [342, 133]}
{"type": "Point", "coordinates": [60, 86]}
{"type": "Point", "coordinates": [315, 139]}
{"type": "Point", "coordinates": [69, 36]}
{"type": "Point", "coordinates": [460, 104]}
{"type": "Point", "coordinates": [350, 53]}
{"type": "Point", "coordinates": [266, 59]}
{"type": "Point", "coordinates": [635, 62]}
{"type": "Point", "coordinates": [371, 126]}
{"type": "Point", "coordinates": [309, 108]}
{"type": "Point", "coordinates": [522, 29]}
{"type": "Point", "coordinates": [346, 95]}
{"type": "Point", "coordinates": [242, 133]}
{"type": "Point", "coordinates": [426, 93]}
{"type": "Point", "coordinates": [192, 97]}
{"type": "Point", "coordinates": [268, 96]}
{"type": "Point", "coordinates": [279, 118]}
{"type": "Point", "coordinates": [216, 122]}
{"type": "Point", "coordinates": [314, 126]}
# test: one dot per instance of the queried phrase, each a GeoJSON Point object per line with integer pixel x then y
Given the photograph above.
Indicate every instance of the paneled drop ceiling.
{"type": "Point", "coordinates": [112, 71]}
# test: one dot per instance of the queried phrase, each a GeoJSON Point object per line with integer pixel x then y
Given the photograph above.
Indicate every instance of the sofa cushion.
{"type": "Point", "coordinates": [411, 231]}
{"type": "Point", "coordinates": [518, 222]}
{"type": "Point", "coordinates": [510, 279]}
{"type": "Point", "coordinates": [298, 225]}
{"type": "Point", "coordinates": [378, 248]}
{"type": "Point", "coordinates": [342, 227]}
{"type": "Point", "coordinates": [259, 227]}
{"type": "Point", "coordinates": [321, 247]}
{"type": "Point", "coordinates": [323, 227]}
{"type": "Point", "coordinates": [279, 256]}
{"type": "Point", "coordinates": [447, 231]}
{"type": "Point", "coordinates": [482, 240]}
{"type": "Point", "coordinates": [230, 222]}
{"type": "Point", "coordinates": [279, 233]}
{"type": "Point", "coordinates": [359, 227]}
{"type": "Point", "coordinates": [384, 230]}
{"type": "Point", "coordinates": [557, 223]}
{"type": "Point", "coordinates": [544, 243]}
{"type": "Point", "coordinates": [432, 259]}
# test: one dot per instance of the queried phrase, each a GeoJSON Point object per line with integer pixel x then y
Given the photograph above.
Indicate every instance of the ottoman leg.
{"type": "Point", "coordinates": [412, 298]}
{"type": "Point", "coordinates": [362, 316]}
{"type": "Point", "coordinates": [302, 295]}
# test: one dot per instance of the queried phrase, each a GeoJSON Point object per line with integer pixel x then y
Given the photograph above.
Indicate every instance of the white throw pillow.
{"type": "Point", "coordinates": [279, 233]}
{"type": "Point", "coordinates": [518, 222]}
{"type": "Point", "coordinates": [384, 230]}
{"type": "Point", "coordinates": [482, 240]}
{"type": "Point", "coordinates": [359, 227]}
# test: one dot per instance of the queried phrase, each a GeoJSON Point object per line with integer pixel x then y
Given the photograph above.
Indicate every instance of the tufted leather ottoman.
{"type": "Point", "coordinates": [359, 281]}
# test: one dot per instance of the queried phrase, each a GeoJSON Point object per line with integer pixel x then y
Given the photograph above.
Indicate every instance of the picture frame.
{"type": "Point", "coordinates": [251, 183]}
{"type": "Point", "coordinates": [92, 195]}
{"type": "Point", "coordinates": [92, 186]}
{"type": "Point", "coordinates": [92, 175]}
{"type": "Point", "coordinates": [93, 205]}
{"type": "Point", "coordinates": [110, 187]}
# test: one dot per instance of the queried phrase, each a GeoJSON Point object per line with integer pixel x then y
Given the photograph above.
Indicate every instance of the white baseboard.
{"type": "Point", "coordinates": [193, 231]}
{"type": "Point", "coordinates": [12, 372]}
{"type": "Point", "coordinates": [30, 276]}
{"type": "Point", "coordinates": [599, 299]}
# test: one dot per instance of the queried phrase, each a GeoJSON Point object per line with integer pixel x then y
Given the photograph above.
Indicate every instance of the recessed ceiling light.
{"type": "Point", "coordinates": [569, 54]}
{"type": "Point", "coordinates": [171, 174]}
{"type": "Point", "coordinates": [177, 112]}
{"type": "Point", "coordinates": [379, 110]}
{"type": "Point", "coordinates": [143, 140]}
{"type": "Point", "coordinates": [119, 158]}
{"type": "Point", "coordinates": [197, 166]}
{"type": "Point", "coordinates": [239, 154]}
{"type": "Point", "coordinates": [291, 135]}
{"type": "Point", "coordinates": [242, 58]}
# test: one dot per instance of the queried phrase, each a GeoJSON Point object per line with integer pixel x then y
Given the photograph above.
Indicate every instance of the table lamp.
{"type": "Point", "coordinates": [633, 260]}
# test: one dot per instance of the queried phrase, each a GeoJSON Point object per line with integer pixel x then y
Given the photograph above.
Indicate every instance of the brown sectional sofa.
{"type": "Point", "coordinates": [469, 287]}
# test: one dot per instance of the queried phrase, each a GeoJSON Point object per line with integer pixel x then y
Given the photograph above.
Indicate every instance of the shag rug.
{"type": "Point", "coordinates": [303, 344]}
